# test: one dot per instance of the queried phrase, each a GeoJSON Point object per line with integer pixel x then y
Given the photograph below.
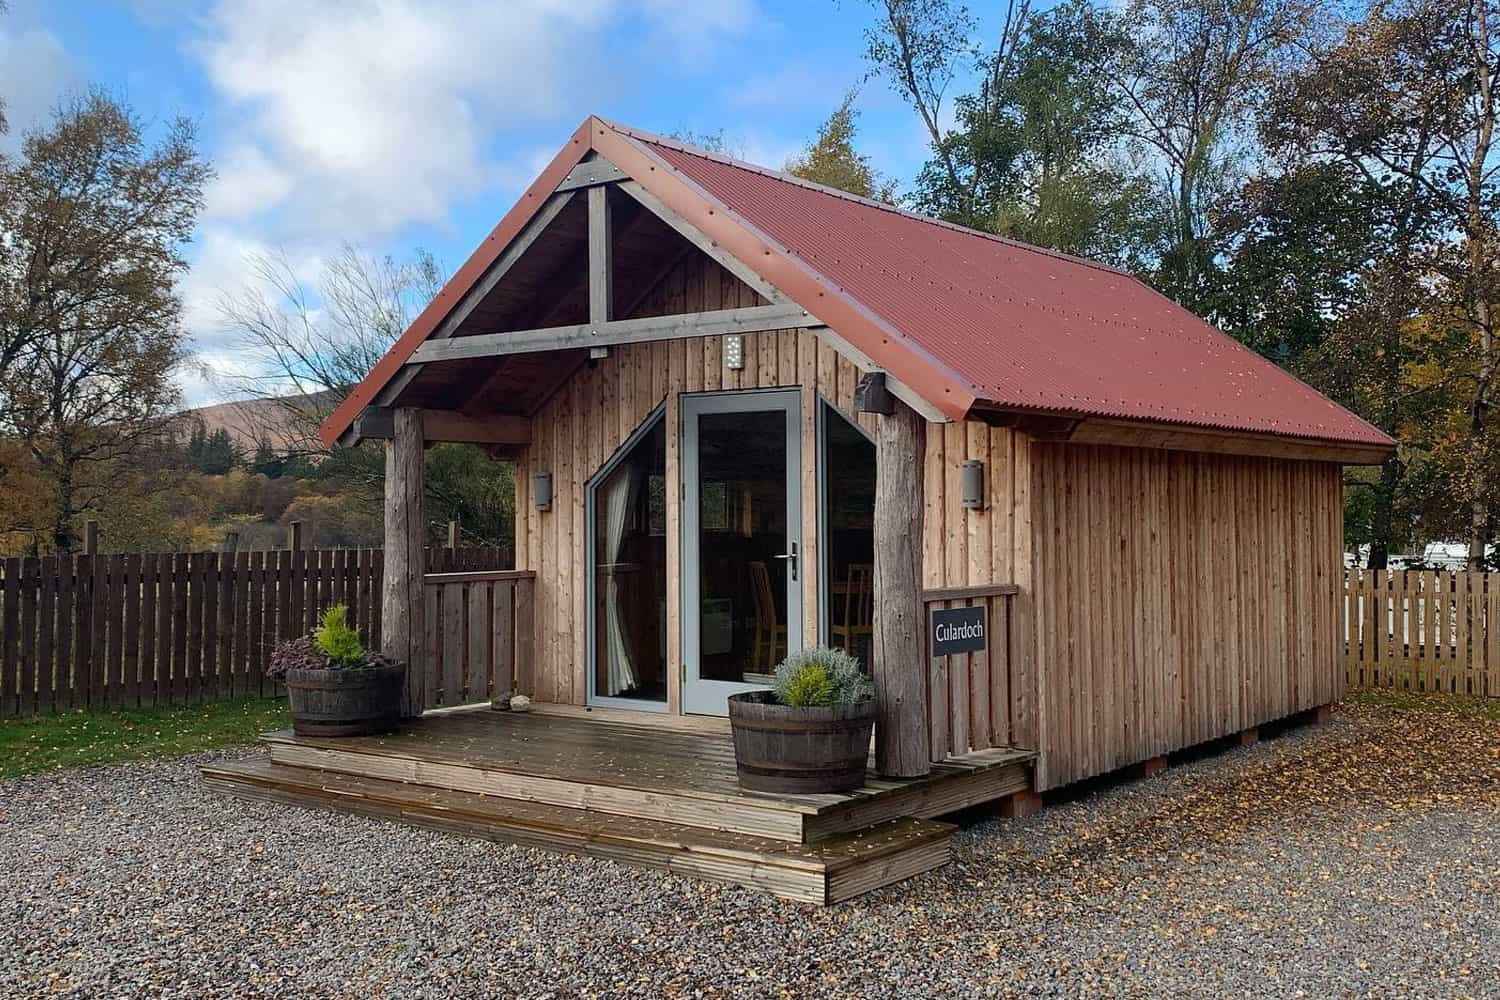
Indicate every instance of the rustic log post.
{"type": "Point", "coordinates": [402, 626]}
{"type": "Point", "coordinates": [452, 535]}
{"type": "Point", "coordinates": [91, 538]}
{"type": "Point", "coordinates": [294, 536]}
{"type": "Point", "coordinates": [902, 744]}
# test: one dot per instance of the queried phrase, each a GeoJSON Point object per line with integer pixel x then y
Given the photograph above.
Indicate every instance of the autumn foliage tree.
{"type": "Point", "coordinates": [93, 220]}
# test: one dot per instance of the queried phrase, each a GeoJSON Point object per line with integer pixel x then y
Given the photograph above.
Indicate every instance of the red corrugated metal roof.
{"type": "Point", "coordinates": [1025, 328]}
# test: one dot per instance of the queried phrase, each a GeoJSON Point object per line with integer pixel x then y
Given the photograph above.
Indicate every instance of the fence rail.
{"type": "Point", "coordinates": [1423, 630]}
{"type": "Point", "coordinates": [117, 631]}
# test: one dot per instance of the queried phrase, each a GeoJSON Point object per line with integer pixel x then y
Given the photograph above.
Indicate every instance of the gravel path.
{"type": "Point", "coordinates": [1360, 859]}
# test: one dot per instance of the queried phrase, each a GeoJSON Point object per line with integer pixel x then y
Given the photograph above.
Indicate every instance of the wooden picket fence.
{"type": "Point", "coordinates": [117, 631]}
{"type": "Point", "coordinates": [1423, 630]}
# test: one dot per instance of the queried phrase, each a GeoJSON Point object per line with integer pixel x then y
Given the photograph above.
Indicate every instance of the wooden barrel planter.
{"type": "Point", "coordinates": [778, 748]}
{"type": "Point", "coordinates": [357, 702]}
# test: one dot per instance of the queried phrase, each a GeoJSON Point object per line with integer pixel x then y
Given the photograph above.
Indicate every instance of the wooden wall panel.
{"type": "Point", "coordinates": [580, 428]}
{"type": "Point", "coordinates": [1178, 598]}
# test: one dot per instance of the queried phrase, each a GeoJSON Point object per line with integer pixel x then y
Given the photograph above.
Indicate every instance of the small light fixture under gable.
{"type": "Point", "coordinates": [734, 351]}
{"type": "Point", "coordinates": [971, 484]}
{"type": "Point", "coordinates": [541, 490]}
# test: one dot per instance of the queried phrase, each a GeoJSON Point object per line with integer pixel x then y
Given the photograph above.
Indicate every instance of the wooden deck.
{"type": "Point", "coordinates": [654, 794]}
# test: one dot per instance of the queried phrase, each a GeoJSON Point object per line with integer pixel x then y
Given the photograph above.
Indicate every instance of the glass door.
{"type": "Point", "coordinates": [742, 532]}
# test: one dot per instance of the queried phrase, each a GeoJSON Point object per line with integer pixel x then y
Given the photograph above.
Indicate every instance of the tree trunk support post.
{"type": "Point", "coordinates": [898, 660]}
{"type": "Point", "coordinates": [402, 625]}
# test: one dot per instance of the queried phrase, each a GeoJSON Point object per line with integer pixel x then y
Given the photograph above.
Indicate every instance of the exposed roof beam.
{"type": "Point", "coordinates": [476, 294]}
{"type": "Point", "coordinates": [591, 174]}
{"type": "Point", "coordinates": [447, 426]}
{"type": "Point", "coordinates": [750, 319]}
{"type": "Point", "coordinates": [601, 257]}
{"type": "Point", "coordinates": [695, 236]}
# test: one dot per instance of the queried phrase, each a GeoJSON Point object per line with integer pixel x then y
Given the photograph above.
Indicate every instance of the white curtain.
{"type": "Point", "coordinates": [620, 495]}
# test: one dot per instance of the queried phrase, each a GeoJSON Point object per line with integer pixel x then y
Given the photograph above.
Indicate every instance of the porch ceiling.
{"type": "Point", "coordinates": [548, 287]}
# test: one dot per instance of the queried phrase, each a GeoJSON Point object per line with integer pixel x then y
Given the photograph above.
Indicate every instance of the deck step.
{"type": "Point", "coordinates": [829, 871]}
{"type": "Point", "coordinates": [614, 770]}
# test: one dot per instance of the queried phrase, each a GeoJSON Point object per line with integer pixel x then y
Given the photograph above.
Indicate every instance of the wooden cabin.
{"type": "Point", "coordinates": [1057, 515]}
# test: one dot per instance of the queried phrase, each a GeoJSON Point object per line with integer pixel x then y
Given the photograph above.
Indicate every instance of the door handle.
{"type": "Point", "coordinates": [792, 557]}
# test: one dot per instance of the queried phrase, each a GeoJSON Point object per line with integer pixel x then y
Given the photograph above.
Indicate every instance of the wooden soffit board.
{"type": "Point", "coordinates": [1067, 429]}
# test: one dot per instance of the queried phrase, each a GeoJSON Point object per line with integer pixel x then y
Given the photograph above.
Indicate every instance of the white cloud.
{"type": "Point", "coordinates": [378, 115]}
{"type": "Point", "coordinates": [357, 120]}
{"type": "Point", "coordinates": [247, 183]}
{"type": "Point", "coordinates": [35, 73]}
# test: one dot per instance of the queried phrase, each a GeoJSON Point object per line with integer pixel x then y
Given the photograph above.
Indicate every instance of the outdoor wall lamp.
{"type": "Point", "coordinates": [541, 490]}
{"type": "Point", "coordinates": [734, 351]}
{"type": "Point", "coordinates": [971, 484]}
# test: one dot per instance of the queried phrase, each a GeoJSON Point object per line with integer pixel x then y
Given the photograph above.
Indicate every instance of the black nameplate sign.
{"type": "Point", "coordinates": [957, 630]}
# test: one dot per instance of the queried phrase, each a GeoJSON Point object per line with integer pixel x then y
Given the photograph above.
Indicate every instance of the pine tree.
{"type": "Point", "coordinates": [831, 159]}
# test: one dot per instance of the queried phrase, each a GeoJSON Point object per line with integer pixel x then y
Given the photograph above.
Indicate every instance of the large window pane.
{"type": "Point", "coordinates": [630, 573]}
{"type": "Point", "coordinates": [743, 536]}
{"type": "Point", "coordinates": [849, 520]}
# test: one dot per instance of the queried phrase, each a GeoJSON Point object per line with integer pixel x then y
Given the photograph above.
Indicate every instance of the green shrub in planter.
{"type": "Point", "coordinates": [811, 733]}
{"type": "Point", "coordinates": [334, 685]}
{"type": "Point", "coordinates": [821, 676]}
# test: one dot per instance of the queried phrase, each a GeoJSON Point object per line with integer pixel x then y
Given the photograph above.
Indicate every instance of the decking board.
{"type": "Point", "coordinates": [660, 774]}
{"type": "Point", "coordinates": [828, 871]}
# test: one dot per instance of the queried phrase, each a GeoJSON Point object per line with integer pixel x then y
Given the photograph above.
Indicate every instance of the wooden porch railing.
{"type": "Point", "coordinates": [478, 637]}
{"type": "Point", "coordinates": [977, 700]}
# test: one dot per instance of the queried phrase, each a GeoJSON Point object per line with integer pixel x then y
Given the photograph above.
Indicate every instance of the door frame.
{"type": "Point", "coordinates": [700, 696]}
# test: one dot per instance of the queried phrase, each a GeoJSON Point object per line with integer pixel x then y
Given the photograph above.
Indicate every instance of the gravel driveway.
{"type": "Point", "coordinates": [1358, 859]}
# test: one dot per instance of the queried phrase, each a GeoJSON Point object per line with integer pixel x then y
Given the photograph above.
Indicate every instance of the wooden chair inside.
{"type": "Point", "coordinates": [770, 633]}
{"type": "Point", "coordinates": [857, 627]}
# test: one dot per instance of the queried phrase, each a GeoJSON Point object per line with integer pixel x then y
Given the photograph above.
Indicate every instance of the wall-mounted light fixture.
{"type": "Point", "coordinates": [971, 484]}
{"type": "Point", "coordinates": [541, 490]}
{"type": "Point", "coordinates": [734, 351]}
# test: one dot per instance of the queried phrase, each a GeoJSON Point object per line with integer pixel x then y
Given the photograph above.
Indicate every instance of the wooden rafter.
{"type": "Point", "coordinates": [695, 236]}
{"type": "Point", "coordinates": [749, 319]}
{"type": "Point", "coordinates": [447, 426]}
{"type": "Point", "coordinates": [512, 253]}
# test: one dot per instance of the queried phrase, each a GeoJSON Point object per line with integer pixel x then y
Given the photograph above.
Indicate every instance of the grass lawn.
{"type": "Point", "coordinates": [1417, 701]}
{"type": "Point", "coordinates": [48, 742]}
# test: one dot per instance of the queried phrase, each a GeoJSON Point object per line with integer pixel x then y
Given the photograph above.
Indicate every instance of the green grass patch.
{"type": "Point", "coordinates": [44, 743]}
{"type": "Point", "coordinates": [1425, 701]}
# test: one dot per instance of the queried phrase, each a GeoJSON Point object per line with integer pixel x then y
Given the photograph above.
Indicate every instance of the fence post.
{"type": "Point", "coordinates": [91, 538]}
{"type": "Point", "coordinates": [452, 534]}
{"type": "Point", "coordinates": [295, 543]}
{"type": "Point", "coordinates": [231, 541]}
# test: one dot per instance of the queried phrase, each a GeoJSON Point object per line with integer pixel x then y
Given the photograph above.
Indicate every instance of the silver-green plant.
{"type": "Point", "coordinates": [846, 683]}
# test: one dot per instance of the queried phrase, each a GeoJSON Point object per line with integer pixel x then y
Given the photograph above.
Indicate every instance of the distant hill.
{"type": "Point", "coordinates": [272, 419]}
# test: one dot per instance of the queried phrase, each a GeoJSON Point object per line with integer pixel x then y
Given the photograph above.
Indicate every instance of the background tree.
{"type": "Point", "coordinates": [93, 223]}
{"type": "Point", "coordinates": [1188, 77]}
{"type": "Point", "coordinates": [309, 345]}
{"type": "Point", "coordinates": [831, 159]}
{"type": "Point", "coordinates": [1036, 150]}
{"type": "Point", "coordinates": [1405, 98]}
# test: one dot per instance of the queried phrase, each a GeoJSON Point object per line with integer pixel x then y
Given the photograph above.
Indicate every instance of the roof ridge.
{"type": "Point", "coordinates": [755, 168]}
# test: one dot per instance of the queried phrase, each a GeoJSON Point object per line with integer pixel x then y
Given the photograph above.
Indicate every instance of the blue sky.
{"type": "Point", "coordinates": [402, 123]}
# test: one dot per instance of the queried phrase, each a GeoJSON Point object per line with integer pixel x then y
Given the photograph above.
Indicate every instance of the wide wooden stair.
{"type": "Point", "coordinates": [641, 795]}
